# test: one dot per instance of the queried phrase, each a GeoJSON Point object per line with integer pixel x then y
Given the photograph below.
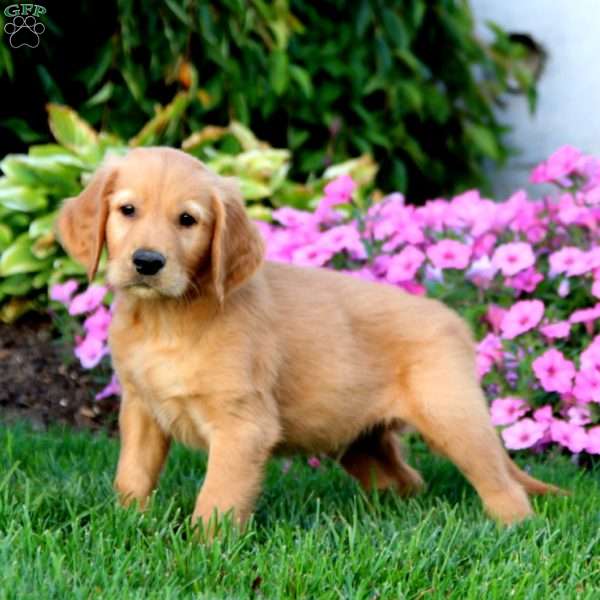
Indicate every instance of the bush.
{"type": "Point", "coordinates": [405, 81]}
{"type": "Point", "coordinates": [34, 184]}
{"type": "Point", "coordinates": [525, 272]}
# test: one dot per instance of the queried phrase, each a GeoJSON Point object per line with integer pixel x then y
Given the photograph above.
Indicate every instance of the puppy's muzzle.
{"type": "Point", "coordinates": [148, 262]}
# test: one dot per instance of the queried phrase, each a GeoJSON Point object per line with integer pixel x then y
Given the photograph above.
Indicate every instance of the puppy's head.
{"type": "Point", "coordinates": [172, 227]}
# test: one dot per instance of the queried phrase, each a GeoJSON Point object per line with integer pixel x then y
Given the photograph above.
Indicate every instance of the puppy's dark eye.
{"type": "Point", "coordinates": [128, 210]}
{"type": "Point", "coordinates": [186, 220]}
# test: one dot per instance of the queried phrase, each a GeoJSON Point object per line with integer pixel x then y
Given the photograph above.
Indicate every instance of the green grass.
{"type": "Point", "coordinates": [315, 535]}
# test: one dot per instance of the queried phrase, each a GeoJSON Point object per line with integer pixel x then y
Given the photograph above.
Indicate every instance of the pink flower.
{"type": "Point", "coordinates": [412, 287]}
{"type": "Point", "coordinates": [494, 316]}
{"type": "Point", "coordinates": [525, 281]}
{"type": "Point", "coordinates": [314, 462]}
{"type": "Point", "coordinates": [554, 371]}
{"type": "Point", "coordinates": [404, 265]}
{"type": "Point", "coordinates": [311, 256]}
{"type": "Point", "coordinates": [579, 415]}
{"type": "Point", "coordinates": [489, 352]}
{"type": "Point", "coordinates": [98, 323]}
{"type": "Point", "coordinates": [593, 441]}
{"type": "Point", "coordinates": [543, 414]}
{"type": "Point", "coordinates": [293, 218]}
{"type": "Point", "coordinates": [521, 317]}
{"type": "Point", "coordinates": [449, 254]}
{"type": "Point", "coordinates": [62, 292]}
{"type": "Point", "coordinates": [482, 271]}
{"type": "Point", "coordinates": [90, 351]}
{"type": "Point", "coordinates": [587, 386]}
{"type": "Point", "coordinates": [340, 190]}
{"type": "Point", "coordinates": [505, 411]}
{"type": "Point", "coordinates": [590, 358]}
{"type": "Point", "coordinates": [112, 389]}
{"type": "Point", "coordinates": [342, 237]}
{"type": "Point", "coordinates": [523, 434]}
{"type": "Point", "coordinates": [89, 300]}
{"type": "Point", "coordinates": [569, 260]}
{"type": "Point", "coordinates": [563, 162]}
{"type": "Point", "coordinates": [568, 435]}
{"type": "Point", "coordinates": [513, 258]}
{"type": "Point", "coordinates": [585, 315]}
{"type": "Point", "coordinates": [558, 330]}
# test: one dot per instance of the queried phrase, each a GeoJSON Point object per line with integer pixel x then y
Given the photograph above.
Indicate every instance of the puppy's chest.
{"type": "Point", "coordinates": [173, 382]}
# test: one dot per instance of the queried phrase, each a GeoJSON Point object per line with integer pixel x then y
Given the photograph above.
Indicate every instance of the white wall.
{"type": "Point", "coordinates": [568, 110]}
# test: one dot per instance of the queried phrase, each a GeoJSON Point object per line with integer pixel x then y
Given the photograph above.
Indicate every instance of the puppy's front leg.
{"type": "Point", "coordinates": [238, 453]}
{"type": "Point", "coordinates": [144, 448]}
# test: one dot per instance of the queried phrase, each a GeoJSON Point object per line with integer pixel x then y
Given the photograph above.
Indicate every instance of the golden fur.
{"type": "Point", "coordinates": [221, 350]}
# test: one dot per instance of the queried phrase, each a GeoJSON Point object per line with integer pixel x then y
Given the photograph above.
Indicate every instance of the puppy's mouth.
{"type": "Point", "coordinates": [150, 289]}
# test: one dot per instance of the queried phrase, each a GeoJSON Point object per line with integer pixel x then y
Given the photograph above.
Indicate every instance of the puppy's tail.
{"type": "Point", "coordinates": [532, 485]}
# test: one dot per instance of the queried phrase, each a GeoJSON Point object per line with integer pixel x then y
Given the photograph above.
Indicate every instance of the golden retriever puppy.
{"type": "Point", "coordinates": [221, 350]}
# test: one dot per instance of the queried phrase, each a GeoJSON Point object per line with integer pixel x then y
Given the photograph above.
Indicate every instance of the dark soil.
{"type": "Point", "coordinates": [36, 385]}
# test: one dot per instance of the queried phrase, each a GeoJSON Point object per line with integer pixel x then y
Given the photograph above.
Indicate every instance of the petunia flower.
{"type": "Point", "coordinates": [593, 440]}
{"type": "Point", "coordinates": [513, 258]}
{"type": "Point", "coordinates": [521, 317]}
{"type": "Point", "coordinates": [558, 330]}
{"type": "Point", "coordinates": [404, 265]}
{"type": "Point", "coordinates": [89, 300]}
{"type": "Point", "coordinates": [569, 435]}
{"type": "Point", "coordinates": [523, 434]}
{"type": "Point", "coordinates": [113, 388]}
{"type": "Point", "coordinates": [62, 292]}
{"type": "Point", "coordinates": [90, 351]}
{"type": "Point", "coordinates": [554, 372]}
{"type": "Point", "coordinates": [449, 254]}
{"type": "Point", "coordinates": [505, 411]}
{"type": "Point", "coordinates": [569, 260]}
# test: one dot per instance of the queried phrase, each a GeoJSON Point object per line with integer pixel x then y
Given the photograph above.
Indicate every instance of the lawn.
{"type": "Point", "coordinates": [315, 535]}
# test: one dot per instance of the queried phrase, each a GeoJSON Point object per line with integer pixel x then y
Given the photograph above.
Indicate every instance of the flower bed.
{"type": "Point", "coordinates": [525, 272]}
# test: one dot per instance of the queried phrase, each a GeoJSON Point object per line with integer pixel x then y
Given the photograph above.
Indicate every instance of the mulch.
{"type": "Point", "coordinates": [42, 383]}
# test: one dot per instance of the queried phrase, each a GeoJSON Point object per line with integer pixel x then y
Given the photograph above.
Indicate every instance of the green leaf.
{"type": "Point", "coordinates": [64, 267]}
{"type": "Point", "coordinates": [253, 190]}
{"type": "Point", "coordinates": [240, 107]}
{"type": "Point", "coordinates": [399, 176]}
{"type": "Point", "coordinates": [22, 199]}
{"type": "Point", "coordinates": [42, 225]}
{"type": "Point", "coordinates": [22, 129]}
{"type": "Point", "coordinates": [16, 285]}
{"type": "Point", "coordinates": [43, 172]}
{"type": "Point", "coordinates": [18, 258]}
{"type": "Point", "coordinates": [150, 133]}
{"type": "Point", "coordinates": [6, 236]}
{"type": "Point", "coordinates": [483, 139]}
{"type": "Point", "coordinates": [395, 28]}
{"type": "Point", "coordinates": [302, 78]}
{"type": "Point", "coordinates": [44, 246]}
{"type": "Point", "coordinates": [70, 129]}
{"type": "Point", "coordinates": [41, 279]}
{"type": "Point", "coordinates": [102, 95]}
{"type": "Point", "coordinates": [179, 13]}
{"type": "Point", "coordinates": [278, 71]}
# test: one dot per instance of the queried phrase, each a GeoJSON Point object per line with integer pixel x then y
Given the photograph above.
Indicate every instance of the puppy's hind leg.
{"type": "Point", "coordinates": [443, 400]}
{"type": "Point", "coordinates": [375, 460]}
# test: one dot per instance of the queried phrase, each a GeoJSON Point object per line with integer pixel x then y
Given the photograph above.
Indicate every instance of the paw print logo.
{"type": "Point", "coordinates": [24, 31]}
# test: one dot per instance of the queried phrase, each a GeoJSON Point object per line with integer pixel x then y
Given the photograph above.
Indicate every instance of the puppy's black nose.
{"type": "Point", "coordinates": [148, 262]}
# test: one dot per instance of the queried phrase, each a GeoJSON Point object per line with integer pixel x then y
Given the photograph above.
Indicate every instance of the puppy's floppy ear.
{"type": "Point", "coordinates": [237, 247]}
{"type": "Point", "coordinates": [82, 220]}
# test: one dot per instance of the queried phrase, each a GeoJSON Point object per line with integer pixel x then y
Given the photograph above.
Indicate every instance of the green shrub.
{"type": "Point", "coordinates": [406, 81]}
